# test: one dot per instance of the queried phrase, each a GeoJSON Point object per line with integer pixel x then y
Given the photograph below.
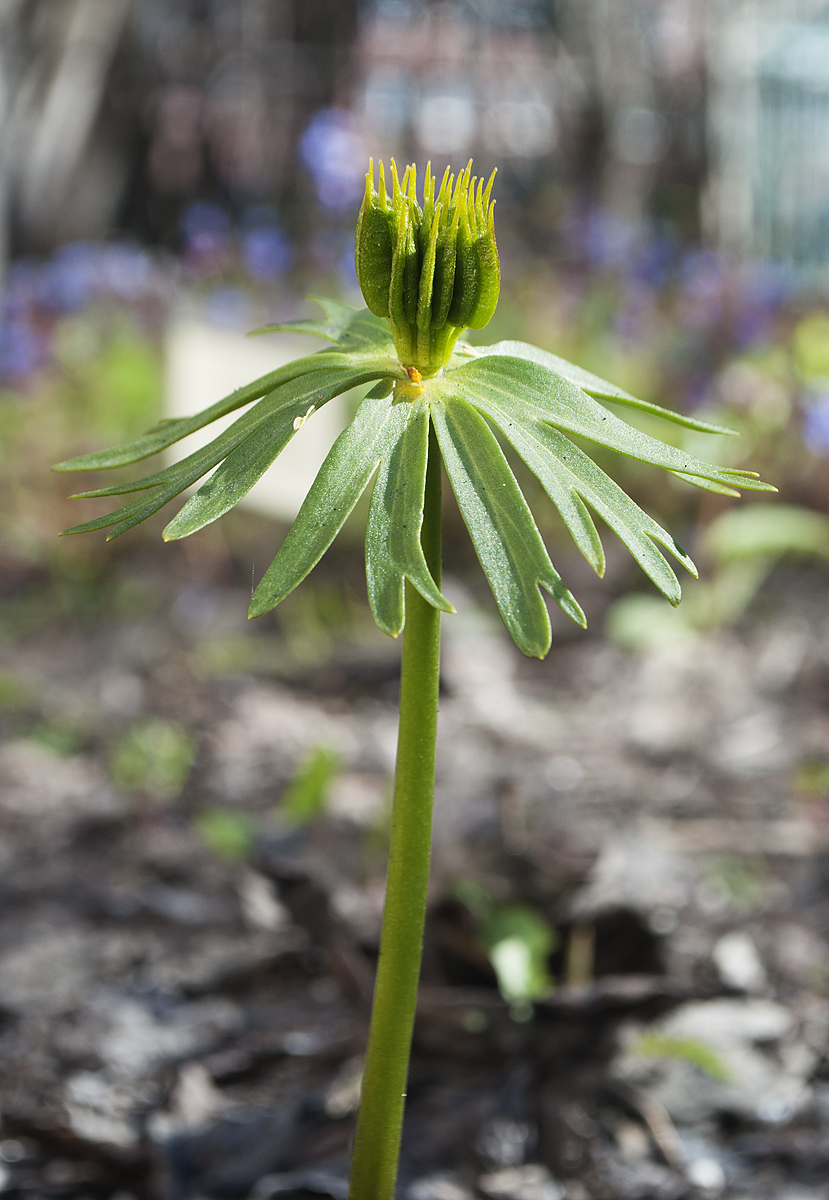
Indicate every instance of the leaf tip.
{"type": "Point", "coordinates": [258, 607]}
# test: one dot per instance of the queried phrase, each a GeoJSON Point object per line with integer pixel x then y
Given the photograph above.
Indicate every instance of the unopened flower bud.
{"type": "Point", "coordinates": [432, 272]}
{"type": "Point", "coordinates": [374, 245]}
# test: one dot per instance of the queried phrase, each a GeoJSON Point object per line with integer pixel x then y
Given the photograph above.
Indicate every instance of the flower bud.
{"type": "Point", "coordinates": [431, 272]}
{"type": "Point", "coordinates": [374, 245]}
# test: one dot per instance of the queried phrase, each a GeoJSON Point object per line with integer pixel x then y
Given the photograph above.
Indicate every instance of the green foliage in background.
{"type": "Point", "coordinates": [692, 1050]}
{"type": "Point", "coordinates": [308, 791]}
{"type": "Point", "coordinates": [518, 940]}
{"type": "Point", "coordinates": [154, 757]}
{"type": "Point", "coordinates": [14, 695]}
{"type": "Point", "coordinates": [230, 835]}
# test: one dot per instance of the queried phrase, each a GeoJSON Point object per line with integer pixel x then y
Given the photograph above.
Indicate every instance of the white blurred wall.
{"type": "Point", "coordinates": [204, 364]}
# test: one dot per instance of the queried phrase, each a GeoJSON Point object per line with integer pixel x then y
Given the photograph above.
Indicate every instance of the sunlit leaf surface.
{"type": "Point", "coordinates": [536, 401]}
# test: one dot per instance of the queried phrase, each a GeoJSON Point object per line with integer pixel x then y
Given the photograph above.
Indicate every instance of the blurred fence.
{"type": "Point", "coordinates": [769, 120]}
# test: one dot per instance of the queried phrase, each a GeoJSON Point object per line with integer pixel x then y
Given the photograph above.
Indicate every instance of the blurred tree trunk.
{"type": "Point", "coordinates": [10, 72]}
{"type": "Point", "coordinates": [624, 77]}
{"type": "Point", "coordinates": [67, 107]}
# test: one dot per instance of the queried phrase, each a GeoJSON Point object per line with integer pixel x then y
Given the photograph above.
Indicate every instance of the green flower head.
{"type": "Point", "coordinates": [427, 274]}
{"type": "Point", "coordinates": [431, 271]}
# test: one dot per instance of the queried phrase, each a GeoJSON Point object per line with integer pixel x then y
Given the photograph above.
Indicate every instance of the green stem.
{"type": "Point", "coordinates": [380, 1120]}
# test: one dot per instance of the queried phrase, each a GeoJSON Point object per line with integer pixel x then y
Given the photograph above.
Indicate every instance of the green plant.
{"type": "Point", "coordinates": [228, 834]}
{"type": "Point", "coordinates": [518, 941]}
{"type": "Point", "coordinates": [155, 757]}
{"type": "Point", "coordinates": [742, 546]}
{"type": "Point", "coordinates": [308, 790]}
{"type": "Point", "coordinates": [426, 273]}
{"type": "Point", "coordinates": [692, 1050]}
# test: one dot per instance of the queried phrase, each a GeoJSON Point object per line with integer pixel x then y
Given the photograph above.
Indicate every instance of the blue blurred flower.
{"type": "Point", "coordinates": [206, 231]}
{"type": "Point", "coordinates": [266, 252]}
{"type": "Point", "coordinates": [635, 316]}
{"type": "Point", "coordinates": [754, 324]}
{"type": "Point", "coordinates": [20, 291]}
{"type": "Point", "coordinates": [69, 281]}
{"type": "Point", "coordinates": [333, 152]}
{"type": "Point", "coordinates": [762, 288]}
{"type": "Point", "coordinates": [816, 426]}
{"type": "Point", "coordinates": [22, 350]}
{"type": "Point", "coordinates": [764, 283]}
{"type": "Point", "coordinates": [703, 276]}
{"type": "Point", "coordinates": [697, 391]}
{"type": "Point", "coordinates": [609, 240]}
{"type": "Point", "coordinates": [347, 269]}
{"type": "Point", "coordinates": [125, 270]}
{"type": "Point", "coordinates": [654, 260]}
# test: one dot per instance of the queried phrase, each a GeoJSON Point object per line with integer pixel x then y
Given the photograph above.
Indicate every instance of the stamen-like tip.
{"type": "Point", "coordinates": [489, 187]}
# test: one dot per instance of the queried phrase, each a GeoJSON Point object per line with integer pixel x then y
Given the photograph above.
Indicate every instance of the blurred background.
{"type": "Point", "coordinates": [627, 978]}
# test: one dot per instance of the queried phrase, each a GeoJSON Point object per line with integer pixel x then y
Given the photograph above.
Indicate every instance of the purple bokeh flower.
{"type": "Point", "coordinates": [655, 259]}
{"type": "Point", "coordinates": [347, 269]}
{"type": "Point", "coordinates": [332, 150]}
{"type": "Point", "coordinates": [609, 240]}
{"type": "Point", "coordinates": [69, 281]}
{"type": "Point", "coordinates": [206, 231]}
{"type": "Point", "coordinates": [36, 296]}
{"type": "Point", "coordinates": [816, 425]}
{"type": "Point", "coordinates": [22, 350]}
{"type": "Point", "coordinates": [266, 252]}
{"type": "Point", "coordinates": [125, 270]}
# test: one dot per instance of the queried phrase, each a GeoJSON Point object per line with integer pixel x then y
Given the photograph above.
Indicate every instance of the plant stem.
{"type": "Point", "coordinates": [380, 1120]}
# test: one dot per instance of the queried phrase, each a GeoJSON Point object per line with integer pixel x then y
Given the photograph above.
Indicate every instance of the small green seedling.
{"type": "Point", "coordinates": [427, 271]}
{"type": "Point", "coordinates": [154, 757]}
{"type": "Point", "coordinates": [307, 794]}
{"type": "Point", "coordinates": [692, 1050]}
{"type": "Point", "coordinates": [519, 943]}
{"type": "Point", "coordinates": [230, 835]}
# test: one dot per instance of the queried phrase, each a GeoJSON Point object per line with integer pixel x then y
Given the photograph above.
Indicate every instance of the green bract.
{"type": "Point", "coordinates": [485, 396]}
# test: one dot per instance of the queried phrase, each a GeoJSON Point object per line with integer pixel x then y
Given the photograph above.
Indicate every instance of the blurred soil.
{"type": "Point", "coordinates": [185, 972]}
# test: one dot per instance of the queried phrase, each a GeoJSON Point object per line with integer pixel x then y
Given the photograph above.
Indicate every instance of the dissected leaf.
{"type": "Point", "coordinates": [245, 466]}
{"type": "Point", "coordinates": [341, 481]}
{"type": "Point", "coordinates": [566, 471]}
{"type": "Point", "coordinates": [506, 540]}
{"type": "Point", "coordinates": [595, 386]}
{"type": "Point", "coordinates": [350, 328]}
{"type": "Point", "coordinates": [707, 485]}
{"type": "Point", "coordinates": [285, 406]}
{"type": "Point", "coordinates": [393, 549]}
{"type": "Point", "coordinates": [534, 398]}
{"type": "Point", "coordinates": [168, 432]}
{"type": "Point", "coordinates": [520, 387]}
